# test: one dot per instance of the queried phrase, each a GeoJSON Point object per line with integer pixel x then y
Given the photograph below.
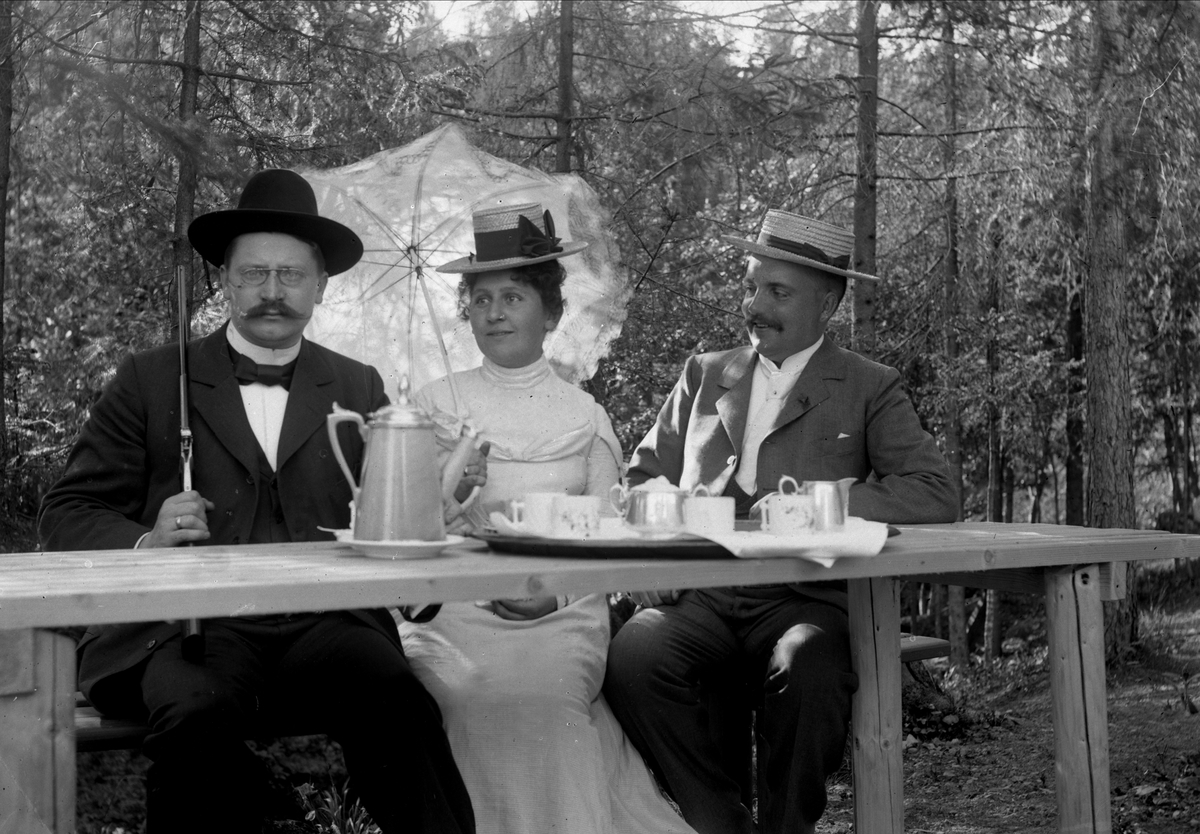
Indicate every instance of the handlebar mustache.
{"type": "Point", "coordinates": [271, 308]}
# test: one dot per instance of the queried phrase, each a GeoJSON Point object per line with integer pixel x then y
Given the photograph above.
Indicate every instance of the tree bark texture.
{"type": "Point", "coordinates": [1107, 304]}
{"type": "Point", "coordinates": [1076, 426]}
{"type": "Point", "coordinates": [865, 192]}
{"type": "Point", "coordinates": [951, 418]}
{"type": "Point", "coordinates": [566, 68]}
{"type": "Point", "coordinates": [8, 44]}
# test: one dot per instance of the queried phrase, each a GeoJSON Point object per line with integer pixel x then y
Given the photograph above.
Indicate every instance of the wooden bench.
{"type": "Point", "coordinates": [95, 732]}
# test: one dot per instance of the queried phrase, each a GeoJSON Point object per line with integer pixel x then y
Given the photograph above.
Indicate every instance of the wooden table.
{"type": "Point", "coordinates": [1075, 567]}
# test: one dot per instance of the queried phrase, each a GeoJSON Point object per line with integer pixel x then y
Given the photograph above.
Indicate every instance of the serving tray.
{"type": "Point", "coordinates": [623, 548]}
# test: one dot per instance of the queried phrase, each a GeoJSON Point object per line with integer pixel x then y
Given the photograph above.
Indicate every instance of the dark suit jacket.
{"type": "Point", "coordinates": [126, 463]}
{"type": "Point", "coordinates": [846, 417]}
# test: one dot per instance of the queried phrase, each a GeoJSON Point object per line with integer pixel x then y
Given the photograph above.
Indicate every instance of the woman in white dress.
{"type": "Point", "coordinates": [518, 681]}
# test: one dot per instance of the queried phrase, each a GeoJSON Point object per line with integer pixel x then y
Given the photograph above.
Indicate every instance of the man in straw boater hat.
{"type": "Point", "coordinates": [264, 472]}
{"type": "Point", "coordinates": [792, 403]}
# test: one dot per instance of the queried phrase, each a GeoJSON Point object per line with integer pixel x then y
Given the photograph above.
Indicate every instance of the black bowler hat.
{"type": "Point", "coordinates": [276, 200]}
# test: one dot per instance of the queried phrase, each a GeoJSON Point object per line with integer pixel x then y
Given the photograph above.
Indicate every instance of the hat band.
{"type": "Point", "coordinates": [525, 241]}
{"type": "Point", "coordinates": [804, 250]}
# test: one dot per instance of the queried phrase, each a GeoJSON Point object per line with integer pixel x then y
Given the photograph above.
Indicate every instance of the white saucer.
{"type": "Point", "coordinates": [411, 549]}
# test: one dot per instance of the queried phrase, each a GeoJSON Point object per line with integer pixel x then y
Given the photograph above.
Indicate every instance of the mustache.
{"type": "Point", "coordinates": [271, 308]}
{"type": "Point", "coordinates": [759, 321]}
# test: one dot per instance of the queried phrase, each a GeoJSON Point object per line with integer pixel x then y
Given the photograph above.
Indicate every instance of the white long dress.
{"type": "Point", "coordinates": [537, 745]}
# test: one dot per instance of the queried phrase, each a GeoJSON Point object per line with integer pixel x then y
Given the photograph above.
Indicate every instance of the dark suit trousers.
{"type": "Point", "coordinates": [326, 671]}
{"type": "Point", "coordinates": [657, 664]}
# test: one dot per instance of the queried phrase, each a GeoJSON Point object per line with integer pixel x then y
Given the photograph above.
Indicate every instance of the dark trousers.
{"type": "Point", "coordinates": [795, 655]}
{"type": "Point", "coordinates": [330, 672]}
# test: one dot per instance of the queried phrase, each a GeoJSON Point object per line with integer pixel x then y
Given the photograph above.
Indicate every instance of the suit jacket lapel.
{"type": "Point", "coordinates": [810, 389]}
{"type": "Point", "coordinates": [217, 398]}
{"type": "Point", "coordinates": [307, 406]}
{"type": "Point", "coordinates": [734, 404]}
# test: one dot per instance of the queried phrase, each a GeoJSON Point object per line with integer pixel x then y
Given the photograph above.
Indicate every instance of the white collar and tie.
{"type": "Point", "coordinates": [768, 392]}
{"type": "Point", "coordinates": [265, 404]}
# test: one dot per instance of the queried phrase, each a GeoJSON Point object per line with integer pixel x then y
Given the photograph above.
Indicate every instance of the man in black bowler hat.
{"type": "Point", "coordinates": [264, 472]}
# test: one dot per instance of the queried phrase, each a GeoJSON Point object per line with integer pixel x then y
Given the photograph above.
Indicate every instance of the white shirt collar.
{"type": "Point", "coordinates": [794, 365]}
{"type": "Point", "coordinates": [261, 355]}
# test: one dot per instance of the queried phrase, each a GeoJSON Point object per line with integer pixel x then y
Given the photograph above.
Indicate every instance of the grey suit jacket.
{"type": "Point", "coordinates": [846, 417]}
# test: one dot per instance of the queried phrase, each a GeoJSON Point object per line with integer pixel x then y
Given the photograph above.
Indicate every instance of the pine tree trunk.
{"type": "Point", "coordinates": [8, 44]}
{"type": "Point", "coordinates": [951, 418]}
{"type": "Point", "coordinates": [566, 65]}
{"type": "Point", "coordinates": [865, 194]}
{"type": "Point", "coordinates": [1106, 311]}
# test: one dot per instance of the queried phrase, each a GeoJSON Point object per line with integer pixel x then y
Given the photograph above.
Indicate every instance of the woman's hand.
{"type": "Point", "coordinates": [523, 609]}
{"type": "Point", "coordinates": [474, 473]}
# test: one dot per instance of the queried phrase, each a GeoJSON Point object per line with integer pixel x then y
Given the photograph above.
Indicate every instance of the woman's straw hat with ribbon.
{"type": "Point", "coordinates": [802, 240]}
{"type": "Point", "coordinates": [512, 236]}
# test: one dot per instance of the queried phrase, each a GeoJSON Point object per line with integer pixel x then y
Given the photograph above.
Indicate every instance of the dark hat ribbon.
{"type": "Point", "coordinates": [804, 250]}
{"type": "Point", "coordinates": [534, 243]}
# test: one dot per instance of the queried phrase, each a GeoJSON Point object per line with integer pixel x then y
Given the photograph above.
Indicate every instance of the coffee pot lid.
{"type": "Point", "coordinates": [404, 412]}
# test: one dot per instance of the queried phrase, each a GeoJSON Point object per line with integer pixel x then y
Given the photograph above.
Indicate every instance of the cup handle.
{"type": "Point", "coordinates": [701, 491]}
{"type": "Point", "coordinates": [788, 479]}
{"type": "Point", "coordinates": [517, 508]}
{"type": "Point", "coordinates": [617, 496]}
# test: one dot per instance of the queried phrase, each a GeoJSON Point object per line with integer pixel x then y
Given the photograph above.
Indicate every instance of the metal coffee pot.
{"type": "Point", "coordinates": [402, 491]}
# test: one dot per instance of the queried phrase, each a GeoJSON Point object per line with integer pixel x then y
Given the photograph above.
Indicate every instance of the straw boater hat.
{"type": "Point", "coordinates": [512, 236]}
{"type": "Point", "coordinates": [281, 201]}
{"type": "Point", "coordinates": [802, 240]}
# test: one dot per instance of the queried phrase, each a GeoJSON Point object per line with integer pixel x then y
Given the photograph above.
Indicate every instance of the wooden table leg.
{"type": "Point", "coordinates": [1075, 627]}
{"type": "Point", "coordinates": [876, 719]}
{"type": "Point", "coordinates": [37, 738]}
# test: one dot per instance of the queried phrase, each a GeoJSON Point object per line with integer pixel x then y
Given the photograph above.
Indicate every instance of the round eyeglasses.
{"type": "Point", "coordinates": [255, 276]}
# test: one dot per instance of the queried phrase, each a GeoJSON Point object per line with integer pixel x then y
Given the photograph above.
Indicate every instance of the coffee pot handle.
{"type": "Point", "coordinates": [342, 415]}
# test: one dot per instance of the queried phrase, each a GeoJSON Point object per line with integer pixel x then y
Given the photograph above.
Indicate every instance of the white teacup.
{"type": "Point", "coordinates": [788, 513]}
{"type": "Point", "coordinates": [577, 516]}
{"type": "Point", "coordinates": [650, 511]}
{"type": "Point", "coordinates": [707, 515]}
{"type": "Point", "coordinates": [534, 512]}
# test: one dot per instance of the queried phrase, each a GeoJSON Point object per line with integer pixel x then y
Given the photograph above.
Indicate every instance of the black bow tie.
{"type": "Point", "coordinates": [248, 371]}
